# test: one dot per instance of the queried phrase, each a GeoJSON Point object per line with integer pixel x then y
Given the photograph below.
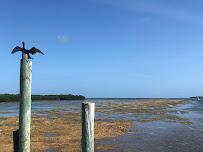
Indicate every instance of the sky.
{"type": "Point", "coordinates": [105, 48]}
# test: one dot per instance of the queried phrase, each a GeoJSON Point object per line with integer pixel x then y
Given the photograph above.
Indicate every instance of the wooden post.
{"type": "Point", "coordinates": [88, 127]}
{"type": "Point", "coordinates": [25, 103]}
{"type": "Point", "coordinates": [15, 140]}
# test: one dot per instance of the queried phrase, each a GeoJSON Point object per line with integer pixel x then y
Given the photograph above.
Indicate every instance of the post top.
{"type": "Point", "coordinates": [88, 103]}
{"type": "Point", "coordinates": [24, 56]}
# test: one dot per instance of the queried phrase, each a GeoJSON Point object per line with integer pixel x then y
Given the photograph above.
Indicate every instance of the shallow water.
{"type": "Point", "coordinates": [155, 136]}
{"type": "Point", "coordinates": [159, 136]}
{"type": "Point", "coordinates": [11, 109]}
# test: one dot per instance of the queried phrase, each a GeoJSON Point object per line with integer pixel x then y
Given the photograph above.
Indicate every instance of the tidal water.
{"type": "Point", "coordinates": [159, 136]}
{"type": "Point", "coordinates": [155, 136]}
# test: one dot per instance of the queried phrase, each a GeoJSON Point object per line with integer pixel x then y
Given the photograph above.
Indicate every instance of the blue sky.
{"type": "Point", "coordinates": [105, 48]}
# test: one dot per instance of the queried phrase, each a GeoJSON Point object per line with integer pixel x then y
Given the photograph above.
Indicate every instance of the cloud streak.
{"type": "Point", "coordinates": [156, 8]}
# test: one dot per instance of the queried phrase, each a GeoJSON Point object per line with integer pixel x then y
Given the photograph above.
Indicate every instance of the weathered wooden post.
{"type": "Point", "coordinates": [25, 103]}
{"type": "Point", "coordinates": [25, 97]}
{"type": "Point", "coordinates": [88, 127]}
{"type": "Point", "coordinates": [15, 140]}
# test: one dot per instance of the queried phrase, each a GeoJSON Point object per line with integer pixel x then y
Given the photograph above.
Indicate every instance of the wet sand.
{"type": "Point", "coordinates": [149, 110]}
{"type": "Point", "coordinates": [59, 133]}
{"type": "Point", "coordinates": [59, 130]}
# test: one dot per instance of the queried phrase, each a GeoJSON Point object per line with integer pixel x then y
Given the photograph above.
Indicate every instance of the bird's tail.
{"type": "Point", "coordinates": [29, 56]}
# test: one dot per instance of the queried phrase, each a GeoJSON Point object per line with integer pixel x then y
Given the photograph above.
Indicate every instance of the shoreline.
{"type": "Point", "coordinates": [56, 97]}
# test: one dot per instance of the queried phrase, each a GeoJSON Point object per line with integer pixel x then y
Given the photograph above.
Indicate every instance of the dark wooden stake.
{"type": "Point", "coordinates": [15, 140]}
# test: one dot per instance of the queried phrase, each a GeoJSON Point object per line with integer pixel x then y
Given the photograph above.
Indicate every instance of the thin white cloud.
{"type": "Point", "coordinates": [171, 12]}
{"type": "Point", "coordinates": [63, 38]}
{"type": "Point", "coordinates": [158, 8]}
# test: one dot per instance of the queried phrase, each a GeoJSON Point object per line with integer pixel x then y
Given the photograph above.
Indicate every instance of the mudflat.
{"type": "Point", "coordinates": [59, 130]}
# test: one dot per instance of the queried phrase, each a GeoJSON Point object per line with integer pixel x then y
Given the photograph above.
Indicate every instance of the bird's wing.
{"type": "Point", "coordinates": [16, 49]}
{"type": "Point", "coordinates": [34, 50]}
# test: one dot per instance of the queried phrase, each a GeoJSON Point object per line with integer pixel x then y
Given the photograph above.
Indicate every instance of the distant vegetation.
{"type": "Point", "coordinates": [16, 97]}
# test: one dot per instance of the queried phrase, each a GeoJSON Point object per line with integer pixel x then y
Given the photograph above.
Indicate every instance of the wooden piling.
{"type": "Point", "coordinates": [15, 140]}
{"type": "Point", "coordinates": [88, 127]}
{"type": "Point", "coordinates": [25, 104]}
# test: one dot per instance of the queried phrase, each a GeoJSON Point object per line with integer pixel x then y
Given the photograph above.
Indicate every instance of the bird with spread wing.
{"type": "Point", "coordinates": [33, 50]}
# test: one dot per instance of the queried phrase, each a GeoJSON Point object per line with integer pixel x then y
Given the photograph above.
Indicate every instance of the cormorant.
{"type": "Point", "coordinates": [33, 50]}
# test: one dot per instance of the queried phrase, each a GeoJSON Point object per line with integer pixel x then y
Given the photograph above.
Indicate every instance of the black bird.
{"type": "Point", "coordinates": [33, 50]}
